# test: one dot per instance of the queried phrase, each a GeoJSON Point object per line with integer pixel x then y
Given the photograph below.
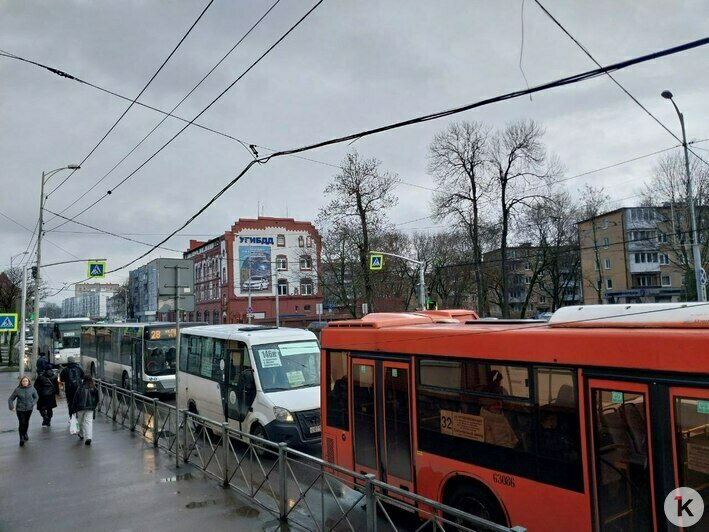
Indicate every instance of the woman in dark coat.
{"type": "Point", "coordinates": [26, 397]}
{"type": "Point", "coordinates": [47, 389]}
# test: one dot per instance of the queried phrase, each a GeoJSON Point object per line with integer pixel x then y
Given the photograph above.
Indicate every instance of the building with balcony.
{"type": "Point", "coordinates": [633, 255]}
{"type": "Point", "coordinates": [88, 303]}
{"type": "Point", "coordinates": [151, 290]}
{"type": "Point", "coordinates": [249, 264]}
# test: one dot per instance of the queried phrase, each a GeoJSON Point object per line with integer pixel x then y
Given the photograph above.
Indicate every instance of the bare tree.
{"type": "Point", "coordinates": [361, 194]}
{"type": "Point", "coordinates": [458, 162]}
{"type": "Point", "coordinates": [594, 201]}
{"type": "Point", "coordinates": [50, 310]}
{"type": "Point", "coordinates": [668, 188]}
{"type": "Point", "coordinates": [520, 165]}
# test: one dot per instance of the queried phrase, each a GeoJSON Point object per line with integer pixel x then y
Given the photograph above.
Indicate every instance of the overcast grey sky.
{"type": "Point", "coordinates": [351, 65]}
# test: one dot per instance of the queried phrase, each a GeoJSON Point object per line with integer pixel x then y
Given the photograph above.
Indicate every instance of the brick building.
{"type": "Point", "coordinates": [252, 261]}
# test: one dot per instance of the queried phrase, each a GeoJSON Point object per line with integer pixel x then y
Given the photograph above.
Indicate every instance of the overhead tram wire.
{"type": "Point", "coordinates": [539, 88]}
{"type": "Point", "coordinates": [33, 232]}
{"type": "Point", "coordinates": [170, 113]}
{"type": "Point", "coordinates": [103, 231]}
{"type": "Point", "coordinates": [626, 91]}
{"type": "Point", "coordinates": [215, 100]}
{"type": "Point", "coordinates": [135, 99]}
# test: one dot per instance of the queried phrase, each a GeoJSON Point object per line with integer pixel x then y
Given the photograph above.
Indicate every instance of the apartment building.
{"type": "Point", "coordinates": [633, 255]}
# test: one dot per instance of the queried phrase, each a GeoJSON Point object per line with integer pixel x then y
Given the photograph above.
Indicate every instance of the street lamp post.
{"type": "Point", "coordinates": [13, 257]}
{"type": "Point", "coordinates": [46, 176]}
{"type": "Point", "coordinates": [422, 281]}
{"type": "Point", "coordinates": [696, 254]}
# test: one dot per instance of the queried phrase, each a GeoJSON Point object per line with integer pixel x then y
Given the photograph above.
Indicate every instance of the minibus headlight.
{"type": "Point", "coordinates": [151, 385]}
{"type": "Point", "coordinates": [282, 414]}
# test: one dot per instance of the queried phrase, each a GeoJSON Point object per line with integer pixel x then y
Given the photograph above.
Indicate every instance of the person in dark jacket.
{"type": "Point", "coordinates": [71, 376]}
{"type": "Point", "coordinates": [42, 364]}
{"type": "Point", "coordinates": [84, 405]}
{"type": "Point", "coordinates": [47, 389]}
{"type": "Point", "coordinates": [26, 397]}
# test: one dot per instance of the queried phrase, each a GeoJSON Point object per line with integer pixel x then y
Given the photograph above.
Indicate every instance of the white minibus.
{"type": "Point", "coordinates": [261, 380]}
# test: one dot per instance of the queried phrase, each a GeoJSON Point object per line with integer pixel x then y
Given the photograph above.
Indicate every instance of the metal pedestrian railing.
{"type": "Point", "coordinates": [297, 487]}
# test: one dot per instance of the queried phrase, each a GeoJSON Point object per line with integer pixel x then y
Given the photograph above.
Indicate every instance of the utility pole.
{"type": "Point", "coordinates": [22, 322]}
{"type": "Point", "coordinates": [46, 176]}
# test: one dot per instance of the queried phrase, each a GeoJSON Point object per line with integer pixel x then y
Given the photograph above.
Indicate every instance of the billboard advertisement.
{"type": "Point", "coordinates": [255, 270]}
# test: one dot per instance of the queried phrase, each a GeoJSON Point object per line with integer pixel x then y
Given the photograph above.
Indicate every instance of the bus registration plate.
{"type": "Point", "coordinates": [314, 429]}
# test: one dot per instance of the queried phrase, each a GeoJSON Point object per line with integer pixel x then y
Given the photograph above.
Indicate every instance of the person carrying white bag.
{"type": "Point", "coordinates": [84, 405]}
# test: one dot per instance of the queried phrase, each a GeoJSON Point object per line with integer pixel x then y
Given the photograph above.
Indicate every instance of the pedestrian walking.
{"type": "Point", "coordinates": [47, 390]}
{"type": "Point", "coordinates": [42, 364]}
{"type": "Point", "coordinates": [71, 376]}
{"type": "Point", "coordinates": [84, 405]}
{"type": "Point", "coordinates": [26, 397]}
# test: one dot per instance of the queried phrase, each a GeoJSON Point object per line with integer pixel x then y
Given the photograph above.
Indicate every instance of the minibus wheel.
{"type": "Point", "coordinates": [258, 431]}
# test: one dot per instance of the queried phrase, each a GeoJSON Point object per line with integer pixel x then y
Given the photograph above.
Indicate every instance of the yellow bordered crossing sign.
{"type": "Point", "coordinates": [376, 262]}
{"type": "Point", "coordinates": [97, 269]}
{"type": "Point", "coordinates": [8, 322]}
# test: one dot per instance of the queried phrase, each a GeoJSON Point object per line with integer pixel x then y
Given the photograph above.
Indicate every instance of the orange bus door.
{"type": "Point", "coordinates": [621, 452]}
{"type": "Point", "coordinates": [364, 419]}
{"type": "Point", "coordinates": [381, 420]}
{"type": "Point", "coordinates": [689, 409]}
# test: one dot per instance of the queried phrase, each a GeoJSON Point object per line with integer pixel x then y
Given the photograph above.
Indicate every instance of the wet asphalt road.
{"type": "Point", "coordinates": [119, 483]}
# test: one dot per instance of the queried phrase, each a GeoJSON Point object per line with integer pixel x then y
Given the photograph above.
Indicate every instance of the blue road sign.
{"type": "Point", "coordinates": [8, 322]}
{"type": "Point", "coordinates": [97, 269]}
{"type": "Point", "coordinates": [329, 307]}
{"type": "Point", "coordinates": [376, 262]}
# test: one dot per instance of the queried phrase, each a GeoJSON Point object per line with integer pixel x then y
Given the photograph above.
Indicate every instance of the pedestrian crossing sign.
{"type": "Point", "coordinates": [376, 262]}
{"type": "Point", "coordinates": [97, 269]}
{"type": "Point", "coordinates": [8, 322]}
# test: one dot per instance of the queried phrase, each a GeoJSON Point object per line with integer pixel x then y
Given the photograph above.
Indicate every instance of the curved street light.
{"type": "Point", "coordinates": [46, 176]}
{"type": "Point", "coordinates": [696, 254]}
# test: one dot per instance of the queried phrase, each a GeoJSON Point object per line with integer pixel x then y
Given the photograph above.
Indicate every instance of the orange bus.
{"type": "Point", "coordinates": [586, 422]}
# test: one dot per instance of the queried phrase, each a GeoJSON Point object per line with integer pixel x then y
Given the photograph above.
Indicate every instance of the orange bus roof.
{"type": "Point", "coordinates": [648, 346]}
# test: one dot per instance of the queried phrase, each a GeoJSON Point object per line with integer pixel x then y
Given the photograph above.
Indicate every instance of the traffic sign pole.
{"type": "Point", "coordinates": [23, 311]}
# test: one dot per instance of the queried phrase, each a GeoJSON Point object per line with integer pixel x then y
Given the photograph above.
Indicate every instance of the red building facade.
{"type": "Point", "coordinates": [254, 260]}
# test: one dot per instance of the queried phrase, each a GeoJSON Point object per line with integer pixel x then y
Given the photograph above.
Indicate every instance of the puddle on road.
{"type": "Point", "coordinates": [245, 511]}
{"type": "Point", "coordinates": [201, 504]}
{"type": "Point", "coordinates": [177, 478]}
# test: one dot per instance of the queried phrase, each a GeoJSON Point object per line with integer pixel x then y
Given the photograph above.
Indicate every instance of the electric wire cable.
{"type": "Point", "coordinates": [135, 99]}
{"type": "Point", "coordinates": [546, 86]}
{"type": "Point", "coordinates": [626, 91]}
{"type": "Point", "coordinates": [170, 113]}
{"type": "Point", "coordinates": [215, 100]}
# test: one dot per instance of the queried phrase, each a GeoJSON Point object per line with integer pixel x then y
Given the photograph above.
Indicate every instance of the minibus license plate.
{"type": "Point", "coordinates": [314, 429]}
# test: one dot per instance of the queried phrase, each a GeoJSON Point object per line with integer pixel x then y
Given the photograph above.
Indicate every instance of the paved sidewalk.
{"type": "Point", "coordinates": [119, 483]}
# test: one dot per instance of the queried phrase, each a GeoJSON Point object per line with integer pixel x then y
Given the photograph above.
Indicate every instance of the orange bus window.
{"type": "Point", "coordinates": [692, 437]}
{"type": "Point", "coordinates": [337, 398]}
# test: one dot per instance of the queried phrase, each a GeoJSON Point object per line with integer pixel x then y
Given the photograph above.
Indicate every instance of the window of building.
{"type": "Point", "coordinates": [661, 237]}
{"type": "Point", "coordinates": [281, 241]}
{"type": "Point", "coordinates": [306, 307]}
{"type": "Point", "coordinates": [607, 264]}
{"type": "Point", "coordinates": [306, 263]}
{"type": "Point", "coordinates": [306, 287]}
{"type": "Point", "coordinates": [282, 287]}
{"type": "Point", "coordinates": [664, 258]}
{"type": "Point", "coordinates": [542, 299]}
{"type": "Point", "coordinates": [301, 241]}
{"type": "Point", "coordinates": [215, 317]}
{"type": "Point", "coordinates": [609, 284]}
{"type": "Point", "coordinates": [527, 266]}
{"type": "Point", "coordinates": [598, 285]}
{"type": "Point", "coordinates": [309, 241]}
{"type": "Point", "coordinates": [191, 316]}
{"type": "Point", "coordinates": [596, 265]}
{"type": "Point", "coordinates": [666, 280]}
{"type": "Point", "coordinates": [281, 263]}
{"type": "Point", "coordinates": [605, 223]}
{"type": "Point", "coordinates": [199, 316]}
{"type": "Point", "coordinates": [606, 243]}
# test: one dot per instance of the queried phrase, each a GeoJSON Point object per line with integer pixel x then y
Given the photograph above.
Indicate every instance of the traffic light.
{"type": "Point", "coordinates": [34, 272]}
{"type": "Point", "coordinates": [431, 305]}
